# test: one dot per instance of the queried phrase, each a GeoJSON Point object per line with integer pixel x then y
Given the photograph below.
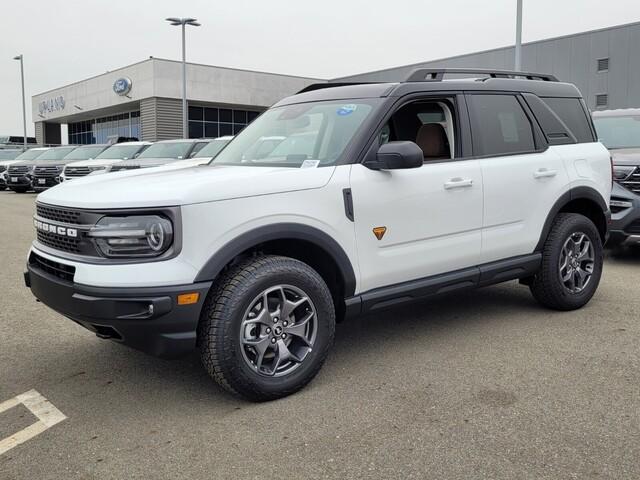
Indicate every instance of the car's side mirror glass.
{"type": "Point", "coordinates": [396, 155]}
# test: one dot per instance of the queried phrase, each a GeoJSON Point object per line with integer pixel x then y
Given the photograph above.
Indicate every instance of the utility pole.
{"type": "Point", "coordinates": [518, 59]}
{"type": "Point", "coordinates": [24, 109]}
{"type": "Point", "coordinates": [183, 22]}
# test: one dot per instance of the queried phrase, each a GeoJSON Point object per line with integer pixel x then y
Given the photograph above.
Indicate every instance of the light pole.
{"type": "Point", "coordinates": [518, 59]}
{"type": "Point", "coordinates": [183, 22]}
{"type": "Point", "coordinates": [24, 110]}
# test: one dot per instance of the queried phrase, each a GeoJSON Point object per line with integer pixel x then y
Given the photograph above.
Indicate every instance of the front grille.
{"type": "Point", "coordinates": [76, 171]}
{"type": "Point", "coordinates": [57, 269]}
{"type": "Point", "coordinates": [117, 168]}
{"type": "Point", "coordinates": [45, 172]}
{"type": "Point", "coordinates": [632, 182]}
{"type": "Point", "coordinates": [18, 170]}
{"type": "Point", "coordinates": [66, 244]}
{"type": "Point", "coordinates": [58, 214]}
{"type": "Point", "coordinates": [633, 228]}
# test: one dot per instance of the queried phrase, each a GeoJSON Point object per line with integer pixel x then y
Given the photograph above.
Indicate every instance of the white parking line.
{"type": "Point", "coordinates": [47, 415]}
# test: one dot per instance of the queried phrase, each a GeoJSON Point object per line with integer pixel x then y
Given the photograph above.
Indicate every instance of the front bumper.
{"type": "Point", "coordinates": [18, 181]}
{"type": "Point", "coordinates": [625, 222]}
{"type": "Point", "coordinates": [42, 183]}
{"type": "Point", "coordinates": [147, 319]}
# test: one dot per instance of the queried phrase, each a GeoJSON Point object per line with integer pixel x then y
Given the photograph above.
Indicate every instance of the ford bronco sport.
{"type": "Point", "coordinates": [385, 194]}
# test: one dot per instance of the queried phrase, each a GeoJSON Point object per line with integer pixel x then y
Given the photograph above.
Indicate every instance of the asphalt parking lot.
{"type": "Point", "coordinates": [485, 384]}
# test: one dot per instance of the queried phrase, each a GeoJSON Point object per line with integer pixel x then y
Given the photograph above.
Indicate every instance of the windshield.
{"type": "Point", "coordinates": [56, 153]}
{"type": "Point", "coordinates": [308, 134]}
{"type": "Point", "coordinates": [122, 152]}
{"type": "Point", "coordinates": [85, 153]}
{"type": "Point", "coordinates": [9, 154]}
{"type": "Point", "coordinates": [30, 154]}
{"type": "Point", "coordinates": [177, 150]}
{"type": "Point", "coordinates": [213, 148]}
{"type": "Point", "coordinates": [618, 132]}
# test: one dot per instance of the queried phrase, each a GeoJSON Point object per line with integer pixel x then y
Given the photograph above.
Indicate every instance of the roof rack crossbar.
{"type": "Point", "coordinates": [437, 74]}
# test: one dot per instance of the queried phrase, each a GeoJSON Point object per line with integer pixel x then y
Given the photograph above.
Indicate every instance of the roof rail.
{"type": "Point", "coordinates": [437, 74]}
{"type": "Point", "coordinates": [321, 86]}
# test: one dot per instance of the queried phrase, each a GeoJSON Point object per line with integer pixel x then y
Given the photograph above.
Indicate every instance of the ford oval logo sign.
{"type": "Point", "coordinates": [122, 86]}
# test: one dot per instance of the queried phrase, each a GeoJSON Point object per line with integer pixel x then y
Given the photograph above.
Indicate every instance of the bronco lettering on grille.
{"type": "Point", "coordinates": [63, 231]}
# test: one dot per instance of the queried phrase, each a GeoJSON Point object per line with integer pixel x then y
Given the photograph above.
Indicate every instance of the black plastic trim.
{"type": "Point", "coordinates": [123, 314]}
{"type": "Point", "coordinates": [487, 274]}
{"type": "Point", "coordinates": [347, 196]}
{"type": "Point", "coordinates": [280, 231]}
{"type": "Point", "coordinates": [576, 193]}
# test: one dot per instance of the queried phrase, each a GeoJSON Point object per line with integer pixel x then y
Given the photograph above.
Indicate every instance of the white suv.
{"type": "Point", "coordinates": [384, 194]}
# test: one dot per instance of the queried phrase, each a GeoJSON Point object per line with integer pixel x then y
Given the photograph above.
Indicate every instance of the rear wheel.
{"type": "Point", "coordinates": [572, 259]}
{"type": "Point", "coordinates": [266, 327]}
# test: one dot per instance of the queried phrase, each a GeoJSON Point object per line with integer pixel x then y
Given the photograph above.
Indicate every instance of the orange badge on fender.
{"type": "Point", "coordinates": [379, 232]}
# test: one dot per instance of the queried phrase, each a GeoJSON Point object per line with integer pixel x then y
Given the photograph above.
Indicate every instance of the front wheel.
{"type": "Point", "coordinates": [572, 259]}
{"type": "Point", "coordinates": [266, 327]}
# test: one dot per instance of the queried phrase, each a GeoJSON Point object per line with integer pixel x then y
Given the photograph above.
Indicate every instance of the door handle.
{"type": "Point", "coordinates": [458, 183]}
{"type": "Point", "coordinates": [544, 173]}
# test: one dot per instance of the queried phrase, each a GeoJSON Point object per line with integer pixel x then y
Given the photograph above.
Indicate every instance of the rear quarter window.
{"type": "Point", "coordinates": [572, 112]}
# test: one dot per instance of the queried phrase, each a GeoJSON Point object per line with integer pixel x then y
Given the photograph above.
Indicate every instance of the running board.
{"type": "Point", "coordinates": [480, 276]}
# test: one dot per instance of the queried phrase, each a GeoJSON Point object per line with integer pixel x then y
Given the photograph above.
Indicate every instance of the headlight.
{"type": "Point", "coordinates": [622, 173]}
{"type": "Point", "coordinates": [134, 236]}
{"type": "Point", "coordinates": [2, 168]}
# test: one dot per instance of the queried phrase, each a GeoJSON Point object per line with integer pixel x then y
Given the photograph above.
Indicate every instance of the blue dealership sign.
{"type": "Point", "coordinates": [122, 86]}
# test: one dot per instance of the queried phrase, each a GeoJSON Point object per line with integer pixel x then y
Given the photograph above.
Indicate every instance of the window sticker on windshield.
{"type": "Point", "coordinates": [347, 109]}
{"type": "Point", "coordinates": [310, 164]}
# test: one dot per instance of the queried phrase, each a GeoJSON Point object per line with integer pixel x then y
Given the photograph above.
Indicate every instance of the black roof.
{"type": "Point", "coordinates": [433, 81]}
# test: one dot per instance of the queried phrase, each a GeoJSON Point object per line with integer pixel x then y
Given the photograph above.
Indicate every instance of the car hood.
{"type": "Point", "coordinates": [161, 187]}
{"type": "Point", "coordinates": [147, 162]}
{"type": "Point", "coordinates": [54, 163]}
{"type": "Point", "coordinates": [23, 163]}
{"type": "Point", "coordinates": [7, 163]}
{"type": "Point", "coordinates": [626, 156]}
{"type": "Point", "coordinates": [95, 162]}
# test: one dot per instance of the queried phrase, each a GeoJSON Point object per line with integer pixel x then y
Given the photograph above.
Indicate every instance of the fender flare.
{"type": "Point", "coordinates": [280, 231]}
{"type": "Point", "coordinates": [576, 193]}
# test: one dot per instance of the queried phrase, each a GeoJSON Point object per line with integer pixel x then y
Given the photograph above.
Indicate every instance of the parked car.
{"type": "Point", "coordinates": [7, 157]}
{"type": "Point", "coordinates": [103, 162]}
{"type": "Point", "coordinates": [47, 172]}
{"type": "Point", "coordinates": [18, 174]}
{"type": "Point", "coordinates": [162, 153]}
{"type": "Point", "coordinates": [397, 192]}
{"type": "Point", "coordinates": [619, 130]}
{"type": "Point", "coordinates": [205, 155]}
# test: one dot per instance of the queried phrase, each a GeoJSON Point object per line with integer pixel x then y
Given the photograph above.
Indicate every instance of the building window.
{"type": "Point", "coordinates": [603, 64]}
{"type": "Point", "coordinates": [99, 130]}
{"type": "Point", "coordinates": [602, 100]}
{"type": "Point", "coordinates": [211, 122]}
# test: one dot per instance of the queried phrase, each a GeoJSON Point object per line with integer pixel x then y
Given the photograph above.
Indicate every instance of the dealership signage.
{"type": "Point", "coordinates": [51, 105]}
{"type": "Point", "coordinates": [122, 86]}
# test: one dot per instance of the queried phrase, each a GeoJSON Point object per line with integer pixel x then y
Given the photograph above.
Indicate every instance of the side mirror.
{"type": "Point", "coordinates": [397, 155]}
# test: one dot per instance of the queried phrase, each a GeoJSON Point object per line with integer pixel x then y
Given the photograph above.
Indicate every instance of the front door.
{"type": "Point", "coordinates": [419, 222]}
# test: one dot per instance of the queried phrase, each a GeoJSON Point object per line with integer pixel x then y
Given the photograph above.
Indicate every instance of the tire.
{"type": "Point", "coordinates": [20, 189]}
{"type": "Point", "coordinates": [222, 339]}
{"type": "Point", "coordinates": [548, 286]}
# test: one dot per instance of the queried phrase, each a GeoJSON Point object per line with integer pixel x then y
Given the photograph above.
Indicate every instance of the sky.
{"type": "Point", "coordinates": [66, 41]}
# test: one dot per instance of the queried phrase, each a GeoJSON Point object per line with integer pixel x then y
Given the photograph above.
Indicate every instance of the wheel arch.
{"type": "Point", "coordinates": [294, 240]}
{"type": "Point", "coordinates": [586, 201]}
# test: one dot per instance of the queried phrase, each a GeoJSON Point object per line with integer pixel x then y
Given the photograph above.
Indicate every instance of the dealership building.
{"type": "Point", "coordinates": [143, 100]}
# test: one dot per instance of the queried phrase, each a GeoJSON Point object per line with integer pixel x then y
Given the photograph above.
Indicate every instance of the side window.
{"type": "Point", "coordinates": [429, 123]}
{"type": "Point", "coordinates": [573, 114]}
{"type": "Point", "coordinates": [500, 125]}
{"type": "Point", "coordinates": [197, 148]}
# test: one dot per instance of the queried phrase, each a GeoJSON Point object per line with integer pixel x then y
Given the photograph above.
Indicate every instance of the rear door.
{"type": "Point", "coordinates": [522, 177]}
